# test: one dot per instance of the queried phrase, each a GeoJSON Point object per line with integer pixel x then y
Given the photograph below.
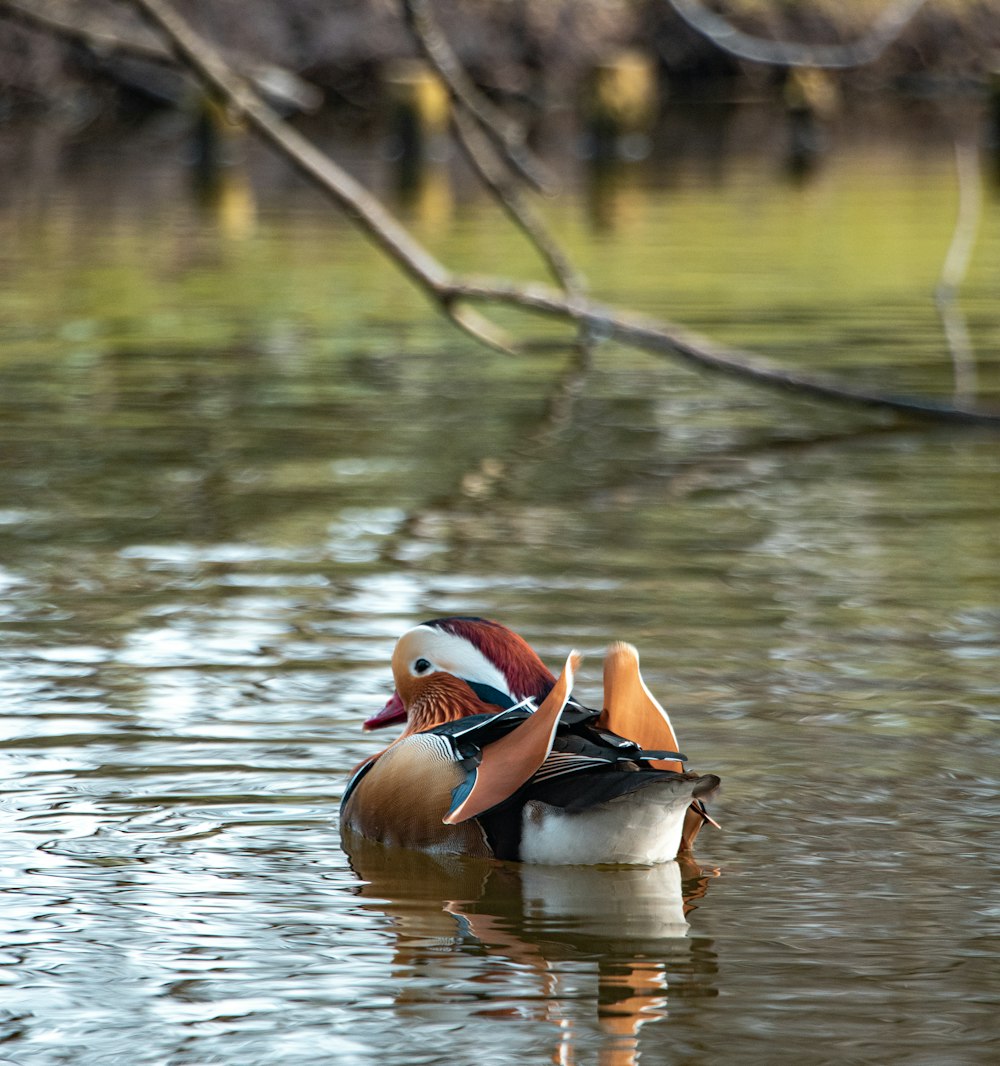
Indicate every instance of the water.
{"type": "Point", "coordinates": [238, 457]}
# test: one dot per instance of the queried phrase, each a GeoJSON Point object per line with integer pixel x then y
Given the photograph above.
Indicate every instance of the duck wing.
{"type": "Point", "coordinates": [512, 759]}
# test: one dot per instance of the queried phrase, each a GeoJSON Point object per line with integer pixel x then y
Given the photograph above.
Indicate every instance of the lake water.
{"type": "Point", "coordinates": [238, 456]}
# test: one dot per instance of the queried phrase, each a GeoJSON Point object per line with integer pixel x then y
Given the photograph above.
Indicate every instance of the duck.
{"type": "Point", "coordinates": [497, 759]}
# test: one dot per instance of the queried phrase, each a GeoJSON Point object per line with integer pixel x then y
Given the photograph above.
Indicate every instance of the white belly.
{"type": "Point", "coordinates": [641, 827]}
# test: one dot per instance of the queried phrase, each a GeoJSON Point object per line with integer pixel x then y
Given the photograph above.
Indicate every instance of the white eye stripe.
{"type": "Point", "coordinates": [445, 651]}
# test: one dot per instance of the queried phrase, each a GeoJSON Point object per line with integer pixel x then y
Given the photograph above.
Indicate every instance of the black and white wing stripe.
{"type": "Point", "coordinates": [561, 763]}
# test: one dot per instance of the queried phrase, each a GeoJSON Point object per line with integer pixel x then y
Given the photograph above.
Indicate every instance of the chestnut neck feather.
{"type": "Point", "coordinates": [442, 698]}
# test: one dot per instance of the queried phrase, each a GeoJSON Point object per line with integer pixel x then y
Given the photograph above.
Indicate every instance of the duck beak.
{"type": "Point", "coordinates": [392, 712]}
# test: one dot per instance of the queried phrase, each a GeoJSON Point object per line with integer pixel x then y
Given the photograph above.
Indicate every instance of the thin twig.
{"type": "Point", "coordinates": [478, 151]}
{"type": "Point", "coordinates": [506, 134]}
{"type": "Point", "coordinates": [488, 138]}
{"type": "Point", "coordinates": [447, 290]}
{"type": "Point", "coordinates": [956, 266]}
{"type": "Point", "coordinates": [865, 49]}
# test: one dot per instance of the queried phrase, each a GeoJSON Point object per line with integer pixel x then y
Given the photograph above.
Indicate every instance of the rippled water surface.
{"type": "Point", "coordinates": [238, 456]}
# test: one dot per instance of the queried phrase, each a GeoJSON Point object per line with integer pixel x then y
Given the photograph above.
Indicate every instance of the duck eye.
{"type": "Point", "coordinates": [421, 666]}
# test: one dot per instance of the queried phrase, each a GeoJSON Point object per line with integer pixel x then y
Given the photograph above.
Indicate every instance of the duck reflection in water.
{"type": "Point", "coordinates": [508, 817]}
{"type": "Point", "coordinates": [559, 925]}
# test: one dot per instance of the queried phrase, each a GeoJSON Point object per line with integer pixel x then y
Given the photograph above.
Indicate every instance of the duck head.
{"type": "Point", "coordinates": [448, 668]}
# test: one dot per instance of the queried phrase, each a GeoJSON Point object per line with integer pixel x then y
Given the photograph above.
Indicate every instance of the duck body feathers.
{"type": "Point", "coordinates": [595, 798]}
{"type": "Point", "coordinates": [401, 796]}
{"type": "Point", "coordinates": [496, 759]}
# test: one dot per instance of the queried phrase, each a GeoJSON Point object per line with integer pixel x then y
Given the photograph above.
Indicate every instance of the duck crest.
{"type": "Point", "coordinates": [526, 674]}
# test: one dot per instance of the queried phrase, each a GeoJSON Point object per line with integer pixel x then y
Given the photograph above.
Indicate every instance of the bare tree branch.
{"type": "Point", "coordinates": [104, 36]}
{"type": "Point", "coordinates": [721, 32]}
{"type": "Point", "coordinates": [447, 289]}
{"type": "Point", "coordinates": [98, 32]}
{"type": "Point", "coordinates": [654, 336]}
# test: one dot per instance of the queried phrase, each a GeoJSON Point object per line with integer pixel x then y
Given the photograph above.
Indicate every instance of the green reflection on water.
{"type": "Point", "coordinates": [234, 467]}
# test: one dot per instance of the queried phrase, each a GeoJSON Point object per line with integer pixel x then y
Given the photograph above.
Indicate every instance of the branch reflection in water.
{"type": "Point", "coordinates": [625, 925]}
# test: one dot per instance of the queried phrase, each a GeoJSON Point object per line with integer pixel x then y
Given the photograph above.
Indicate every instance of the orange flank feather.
{"type": "Point", "coordinates": [509, 762]}
{"type": "Point", "coordinates": [631, 710]}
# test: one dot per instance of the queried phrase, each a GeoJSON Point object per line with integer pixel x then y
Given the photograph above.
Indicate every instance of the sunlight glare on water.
{"type": "Point", "coordinates": [234, 471]}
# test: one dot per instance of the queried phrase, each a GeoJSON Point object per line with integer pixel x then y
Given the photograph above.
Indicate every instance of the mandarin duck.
{"type": "Point", "coordinates": [497, 760]}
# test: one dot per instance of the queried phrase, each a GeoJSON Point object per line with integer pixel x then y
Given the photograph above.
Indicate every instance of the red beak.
{"type": "Point", "coordinates": [392, 712]}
